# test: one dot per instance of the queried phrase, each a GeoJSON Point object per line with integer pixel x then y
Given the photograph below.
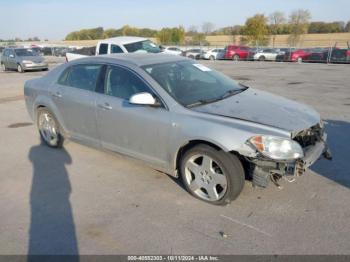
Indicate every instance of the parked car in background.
{"type": "Point", "coordinates": [298, 55]}
{"type": "Point", "coordinates": [22, 59]}
{"type": "Point", "coordinates": [61, 51]}
{"type": "Point", "coordinates": [268, 54]}
{"type": "Point", "coordinates": [195, 53]}
{"type": "Point", "coordinates": [151, 106]}
{"type": "Point", "coordinates": [214, 54]}
{"type": "Point", "coordinates": [119, 45]}
{"type": "Point", "coordinates": [235, 52]}
{"type": "Point", "coordinates": [171, 50]}
{"type": "Point", "coordinates": [319, 55]}
{"type": "Point", "coordinates": [339, 55]}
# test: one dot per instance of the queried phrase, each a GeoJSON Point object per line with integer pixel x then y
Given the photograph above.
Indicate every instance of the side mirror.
{"type": "Point", "coordinates": [143, 99]}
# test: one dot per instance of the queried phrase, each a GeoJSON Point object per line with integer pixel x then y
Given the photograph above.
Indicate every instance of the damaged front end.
{"type": "Point", "coordinates": [264, 169]}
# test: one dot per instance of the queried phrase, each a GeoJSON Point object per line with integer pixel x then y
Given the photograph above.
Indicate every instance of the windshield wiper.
{"type": "Point", "coordinates": [203, 102]}
{"type": "Point", "coordinates": [225, 95]}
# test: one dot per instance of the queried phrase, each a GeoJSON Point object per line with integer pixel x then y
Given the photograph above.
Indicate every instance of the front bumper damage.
{"type": "Point", "coordinates": [263, 170]}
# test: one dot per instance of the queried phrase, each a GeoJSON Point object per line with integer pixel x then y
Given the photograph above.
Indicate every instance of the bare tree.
{"type": "Point", "coordinates": [277, 19]}
{"type": "Point", "coordinates": [207, 28]}
{"type": "Point", "coordinates": [299, 24]}
{"type": "Point", "coordinates": [235, 31]}
{"type": "Point", "coordinates": [192, 30]}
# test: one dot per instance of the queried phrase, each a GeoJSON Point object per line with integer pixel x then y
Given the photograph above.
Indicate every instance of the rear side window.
{"type": "Point", "coordinates": [122, 83]}
{"type": "Point", "coordinates": [82, 76]}
{"type": "Point", "coordinates": [103, 50]}
{"type": "Point", "coordinates": [63, 77]}
{"type": "Point", "coordinates": [115, 49]}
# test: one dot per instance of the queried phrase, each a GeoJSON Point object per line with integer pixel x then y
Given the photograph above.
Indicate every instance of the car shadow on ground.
{"type": "Point", "coordinates": [52, 229]}
{"type": "Point", "coordinates": [338, 169]}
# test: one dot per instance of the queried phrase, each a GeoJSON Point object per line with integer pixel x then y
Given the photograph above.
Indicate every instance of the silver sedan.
{"type": "Point", "coordinates": [179, 116]}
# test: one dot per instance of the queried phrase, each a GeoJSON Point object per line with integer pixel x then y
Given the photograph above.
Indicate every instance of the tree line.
{"type": "Point", "coordinates": [257, 29]}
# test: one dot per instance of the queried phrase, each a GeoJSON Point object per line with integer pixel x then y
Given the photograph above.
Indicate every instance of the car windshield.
{"type": "Point", "coordinates": [25, 52]}
{"type": "Point", "coordinates": [192, 84]}
{"type": "Point", "coordinates": [146, 45]}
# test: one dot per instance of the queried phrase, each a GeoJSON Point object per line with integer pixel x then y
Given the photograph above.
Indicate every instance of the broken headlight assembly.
{"type": "Point", "coordinates": [277, 148]}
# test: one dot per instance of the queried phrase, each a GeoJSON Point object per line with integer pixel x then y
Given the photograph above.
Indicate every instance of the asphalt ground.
{"type": "Point", "coordinates": [80, 200]}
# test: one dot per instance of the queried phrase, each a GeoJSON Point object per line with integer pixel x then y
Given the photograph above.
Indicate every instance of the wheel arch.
{"type": "Point", "coordinates": [190, 144]}
{"type": "Point", "coordinates": [44, 103]}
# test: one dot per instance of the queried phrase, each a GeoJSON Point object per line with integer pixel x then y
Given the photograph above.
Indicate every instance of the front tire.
{"type": "Point", "coordinates": [3, 67]}
{"type": "Point", "coordinates": [49, 128]}
{"type": "Point", "coordinates": [20, 69]}
{"type": "Point", "coordinates": [235, 58]}
{"type": "Point", "coordinates": [212, 58]}
{"type": "Point", "coordinates": [262, 58]}
{"type": "Point", "coordinates": [212, 175]}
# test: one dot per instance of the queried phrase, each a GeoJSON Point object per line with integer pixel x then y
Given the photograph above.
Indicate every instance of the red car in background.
{"type": "Point", "coordinates": [297, 55]}
{"type": "Point", "coordinates": [236, 52]}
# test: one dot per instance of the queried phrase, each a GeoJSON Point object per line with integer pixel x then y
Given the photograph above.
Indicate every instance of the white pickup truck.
{"type": "Point", "coordinates": [121, 44]}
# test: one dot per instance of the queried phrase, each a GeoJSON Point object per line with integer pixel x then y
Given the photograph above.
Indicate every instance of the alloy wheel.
{"type": "Point", "coordinates": [48, 128]}
{"type": "Point", "coordinates": [205, 177]}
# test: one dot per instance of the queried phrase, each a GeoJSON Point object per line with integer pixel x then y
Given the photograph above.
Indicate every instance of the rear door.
{"type": "Point", "coordinates": [74, 96]}
{"type": "Point", "coordinates": [4, 57]}
{"type": "Point", "coordinates": [138, 131]}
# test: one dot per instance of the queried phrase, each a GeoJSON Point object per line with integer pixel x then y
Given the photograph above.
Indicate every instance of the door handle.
{"type": "Point", "coordinates": [105, 106]}
{"type": "Point", "coordinates": [57, 94]}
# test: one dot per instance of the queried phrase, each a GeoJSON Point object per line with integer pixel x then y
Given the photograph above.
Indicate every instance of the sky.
{"type": "Point", "coordinates": [54, 19]}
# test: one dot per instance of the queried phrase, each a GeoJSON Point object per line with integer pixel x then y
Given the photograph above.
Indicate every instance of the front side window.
{"type": "Point", "coordinates": [146, 45]}
{"type": "Point", "coordinates": [192, 84]}
{"type": "Point", "coordinates": [115, 49]}
{"type": "Point", "coordinates": [122, 83]}
{"type": "Point", "coordinates": [83, 76]}
{"type": "Point", "coordinates": [103, 50]}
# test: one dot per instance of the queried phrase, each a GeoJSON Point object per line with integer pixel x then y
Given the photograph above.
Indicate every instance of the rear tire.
{"type": "Point", "coordinates": [212, 175]}
{"type": "Point", "coordinates": [299, 60]}
{"type": "Point", "coordinates": [235, 58]}
{"type": "Point", "coordinates": [212, 58]}
{"type": "Point", "coordinates": [3, 67]}
{"type": "Point", "coordinates": [49, 128]}
{"type": "Point", "coordinates": [191, 56]}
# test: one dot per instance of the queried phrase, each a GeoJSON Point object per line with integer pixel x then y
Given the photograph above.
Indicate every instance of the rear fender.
{"type": "Point", "coordinates": [43, 101]}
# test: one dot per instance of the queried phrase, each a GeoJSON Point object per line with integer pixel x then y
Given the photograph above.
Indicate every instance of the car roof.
{"type": "Point", "coordinates": [122, 40]}
{"type": "Point", "coordinates": [138, 59]}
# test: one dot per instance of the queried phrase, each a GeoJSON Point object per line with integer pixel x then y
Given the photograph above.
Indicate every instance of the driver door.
{"type": "Point", "coordinates": [138, 131]}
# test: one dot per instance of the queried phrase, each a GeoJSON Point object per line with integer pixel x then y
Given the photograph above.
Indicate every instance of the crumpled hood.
{"type": "Point", "coordinates": [264, 108]}
{"type": "Point", "coordinates": [35, 59]}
